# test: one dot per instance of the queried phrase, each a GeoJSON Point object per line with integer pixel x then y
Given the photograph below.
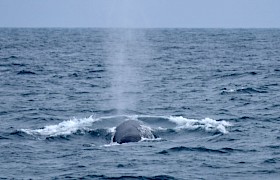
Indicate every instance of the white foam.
{"type": "Point", "coordinates": [63, 128]}
{"type": "Point", "coordinates": [112, 130]}
{"type": "Point", "coordinates": [146, 132]}
{"type": "Point", "coordinates": [230, 90]}
{"type": "Point", "coordinates": [112, 144]}
{"type": "Point", "coordinates": [207, 124]}
{"type": "Point", "coordinates": [161, 128]}
{"type": "Point", "coordinates": [73, 125]}
{"type": "Point", "coordinates": [149, 139]}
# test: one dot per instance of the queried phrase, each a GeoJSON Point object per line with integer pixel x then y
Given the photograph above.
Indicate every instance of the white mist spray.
{"type": "Point", "coordinates": [125, 51]}
{"type": "Point", "coordinates": [121, 70]}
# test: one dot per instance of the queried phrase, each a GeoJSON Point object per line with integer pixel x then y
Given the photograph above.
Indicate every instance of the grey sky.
{"type": "Point", "coordinates": [140, 13]}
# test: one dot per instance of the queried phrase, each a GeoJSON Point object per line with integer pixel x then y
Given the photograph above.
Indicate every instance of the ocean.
{"type": "Point", "coordinates": [210, 96]}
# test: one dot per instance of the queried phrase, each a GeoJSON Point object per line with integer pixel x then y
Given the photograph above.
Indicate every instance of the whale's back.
{"type": "Point", "coordinates": [128, 131]}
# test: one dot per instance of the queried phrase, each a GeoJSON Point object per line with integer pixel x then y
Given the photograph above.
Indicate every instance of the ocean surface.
{"type": "Point", "coordinates": [211, 97]}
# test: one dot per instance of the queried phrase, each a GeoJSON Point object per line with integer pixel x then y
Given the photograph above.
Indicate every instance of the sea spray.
{"type": "Point", "coordinates": [207, 124]}
{"type": "Point", "coordinates": [64, 128]}
{"type": "Point", "coordinates": [124, 68]}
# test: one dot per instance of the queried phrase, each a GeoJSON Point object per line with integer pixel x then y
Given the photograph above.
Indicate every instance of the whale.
{"type": "Point", "coordinates": [131, 131]}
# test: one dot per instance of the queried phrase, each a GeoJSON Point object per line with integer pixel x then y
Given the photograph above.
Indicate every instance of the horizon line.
{"type": "Point", "coordinates": [116, 27]}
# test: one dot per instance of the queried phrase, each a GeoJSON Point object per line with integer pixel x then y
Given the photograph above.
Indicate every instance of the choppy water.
{"type": "Point", "coordinates": [211, 97]}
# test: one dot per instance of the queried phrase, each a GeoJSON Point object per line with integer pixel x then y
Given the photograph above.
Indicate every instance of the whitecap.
{"type": "Point", "coordinates": [207, 124]}
{"type": "Point", "coordinates": [64, 128]}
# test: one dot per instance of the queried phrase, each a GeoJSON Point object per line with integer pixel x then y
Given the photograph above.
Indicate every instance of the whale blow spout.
{"type": "Point", "coordinates": [129, 131]}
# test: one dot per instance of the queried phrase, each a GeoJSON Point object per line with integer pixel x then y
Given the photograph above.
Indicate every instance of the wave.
{"type": "Point", "coordinates": [209, 125]}
{"type": "Point", "coordinates": [10, 57]}
{"type": "Point", "coordinates": [237, 74]}
{"type": "Point", "coordinates": [107, 125]}
{"type": "Point", "coordinates": [2, 138]}
{"type": "Point", "coordinates": [25, 72]}
{"type": "Point", "coordinates": [198, 149]}
{"type": "Point", "coordinates": [271, 161]}
{"type": "Point", "coordinates": [247, 90]}
{"type": "Point", "coordinates": [64, 128]}
{"type": "Point", "coordinates": [163, 177]}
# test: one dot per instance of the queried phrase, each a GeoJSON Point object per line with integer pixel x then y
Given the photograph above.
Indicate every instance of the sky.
{"type": "Point", "coordinates": [141, 13]}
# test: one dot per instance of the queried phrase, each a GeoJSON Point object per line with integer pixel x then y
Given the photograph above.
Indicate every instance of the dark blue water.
{"type": "Point", "coordinates": [211, 97]}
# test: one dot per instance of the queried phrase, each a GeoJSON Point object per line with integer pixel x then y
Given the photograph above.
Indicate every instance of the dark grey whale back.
{"type": "Point", "coordinates": [128, 131]}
